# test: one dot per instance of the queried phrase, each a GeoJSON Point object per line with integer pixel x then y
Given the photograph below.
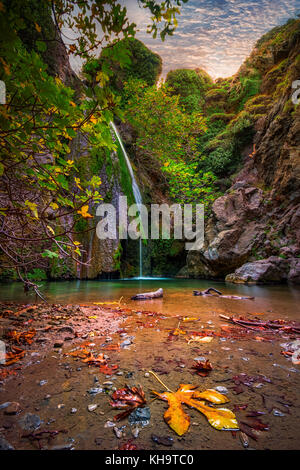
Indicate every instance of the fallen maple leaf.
{"type": "Point", "coordinates": [92, 360]}
{"type": "Point", "coordinates": [14, 356]}
{"type": "Point", "coordinates": [108, 370]}
{"type": "Point", "coordinates": [127, 398]}
{"type": "Point", "coordinates": [179, 421]}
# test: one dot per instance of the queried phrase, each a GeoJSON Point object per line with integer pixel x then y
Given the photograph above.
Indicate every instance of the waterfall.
{"type": "Point", "coordinates": [135, 189]}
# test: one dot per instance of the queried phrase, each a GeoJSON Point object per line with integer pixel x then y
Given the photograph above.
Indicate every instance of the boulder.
{"type": "Point", "coordinates": [272, 269]}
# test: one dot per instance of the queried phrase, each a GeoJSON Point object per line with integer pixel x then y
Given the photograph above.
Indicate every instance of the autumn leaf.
{"type": "Point", "coordinates": [91, 360]}
{"type": "Point", "coordinates": [202, 367]}
{"type": "Point", "coordinates": [38, 28]}
{"type": "Point", "coordinates": [14, 356]}
{"type": "Point", "coordinates": [84, 212]}
{"type": "Point", "coordinates": [19, 336]}
{"type": "Point", "coordinates": [178, 332]}
{"type": "Point", "coordinates": [179, 421]}
{"type": "Point", "coordinates": [108, 370]}
{"type": "Point", "coordinates": [200, 339]}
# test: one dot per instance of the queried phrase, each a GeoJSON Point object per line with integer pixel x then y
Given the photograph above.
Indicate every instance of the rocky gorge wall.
{"type": "Point", "coordinates": [253, 233]}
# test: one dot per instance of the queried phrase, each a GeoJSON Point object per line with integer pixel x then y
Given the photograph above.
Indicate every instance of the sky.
{"type": "Point", "coordinates": [216, 35]}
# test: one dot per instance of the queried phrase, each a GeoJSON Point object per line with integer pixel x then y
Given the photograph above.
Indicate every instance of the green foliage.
{"type": "Point", "coordinates": [43, 117]}
{"type": "Point", "coordinates": [168, 135]}
{"type": "Point", "coordinates": [142, 64]}
{"type": "Point", "coordinates": [37, 275]}
{"type": "Point", "coordinates": [190, 85]}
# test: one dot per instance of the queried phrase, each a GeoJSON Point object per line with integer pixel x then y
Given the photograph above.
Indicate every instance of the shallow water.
{"type": "Point", "coordinates": [280, 300]}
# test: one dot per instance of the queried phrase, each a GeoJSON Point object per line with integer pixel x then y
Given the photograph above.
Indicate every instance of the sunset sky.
{"type": "Point", "coordinates": [216, 35]}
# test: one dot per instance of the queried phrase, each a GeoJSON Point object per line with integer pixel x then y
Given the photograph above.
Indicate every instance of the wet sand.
{"type": "Point", "coordinates": [137, 337]}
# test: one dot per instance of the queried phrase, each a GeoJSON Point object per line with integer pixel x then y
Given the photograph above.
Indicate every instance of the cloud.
{"type": "Point", "coordinates": [216, 35]}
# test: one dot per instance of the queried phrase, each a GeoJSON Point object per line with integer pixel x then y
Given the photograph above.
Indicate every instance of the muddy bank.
{"type": "Point", "coordinates": [59, 391]}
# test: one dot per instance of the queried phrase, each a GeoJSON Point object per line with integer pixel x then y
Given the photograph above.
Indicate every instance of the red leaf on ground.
{"type": "Point", "coordinates": [108, 370]}
{"type": "Point", "coordinates": [202, 367]}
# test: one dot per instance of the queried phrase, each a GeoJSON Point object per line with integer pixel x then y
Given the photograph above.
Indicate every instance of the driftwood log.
{"type": "Point", "coordinates": [148, 295]}
{"type": "Point", "coordinates": [208, 292]}
{"type": "Point", "coordinates": [255, 324]}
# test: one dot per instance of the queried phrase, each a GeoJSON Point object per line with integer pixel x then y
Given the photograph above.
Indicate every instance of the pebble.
{"type": "Point", "coordinates": [5, 405]}
{"type": "Point", "coordinates": [140, 416]}
{"type": "Point", "coordinates": [66, 329]}
{"type": "Point", "coordinates": [47, 397]}
{"type": "Point", "coordinates": [74, 410]}
{"type": "Point", "coordinates": [60, 406]}
{"type": "Point", "coordinates": [200, 358]}
{"type": "Point", "coordinates": [30, 422]}
{"type": "Point", "coordinates": [95, 390]}
{"type": "Point", "coordinates": [5, 445]}
{"type": "Point", "coordinates": [182, 366]}
{"type": "Point", "coordinates": [147, 374]}
{"type": "Point", "coordinates": [109, 424]}
{"type": "Point", "coordinates": [13, 408]}
{"type": "Point", "coordinates": [92, 407]}
{"type": "Point", "coordinates": [278, 413]}
{"type": "Point", "coordinates": [135, 431]}
{"type": "Point", "coordinates": [221, 389]}
{"type": "Point", "coordinates": [43, 382]}
{"type": "Point", "coordinates": [62, 447]}
{"type": "Point", "coordinates": [58, 344]}
{"type": "Point", "coordinates": [119, 432]}
{"type": "Point", "coordinates": [121, 373]}
{"type": "Point", "coordinates": [107, 384]}
{"type": "Point", "coordinates": [125, 343]}
{"type": "Point", "coordinates": [162, 440]}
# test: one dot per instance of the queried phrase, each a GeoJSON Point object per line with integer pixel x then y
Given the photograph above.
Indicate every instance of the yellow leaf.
{"type": "Point", "coordinates": [211, 395]}
{"type": "Point", "coordinates": [33, 207]}
{"type": "Point", "coordinates": [76, 243]}
{"type": "Point", "coordinates": [220, 418]}
{"type": "Point", "coordinates": [50, 229]}
{"type": "Point", "coordinates": [178, 332]}
{"type": "Point", "coordinates": [84, 212]}
{"type": "Point", "coordinates": [200, 339]}
{"type": "Point", "coordinates": [175, 416]}
{"type": "Point", "coordinates": [93, 119]}
{"type": "Point", "coordinates": [38, 28]}
{"type": "Point", "coordinates": [77, 181]}
{"type": "Point", "coordinates": [54, 205]}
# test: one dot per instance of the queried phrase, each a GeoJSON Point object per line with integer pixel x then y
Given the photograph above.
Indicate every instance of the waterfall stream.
{"type": "Point", "coordinates": [135, 189]}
